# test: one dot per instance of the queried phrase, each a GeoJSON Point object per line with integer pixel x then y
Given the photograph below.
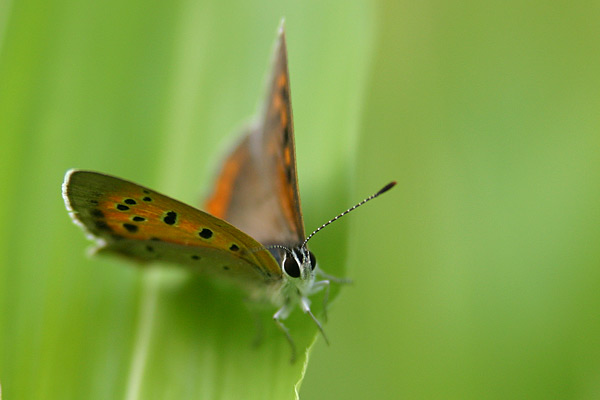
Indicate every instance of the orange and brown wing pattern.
{"type": "Point", "coordinates": [145, 225]}
{"type": "Point", "coordinates": [278, 140]}
{"type": "Point", "coordinates": [234, 171]}
{"type": "Point", "coordinates": [257, 188]}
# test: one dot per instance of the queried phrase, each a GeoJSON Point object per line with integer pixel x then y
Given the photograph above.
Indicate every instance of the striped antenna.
{"type": "Point", "coordinates": [381, 191]}
{"type": "Point", "coordinates": [273, 246]}
{"type": "Point", "coordinates": [277, 246]}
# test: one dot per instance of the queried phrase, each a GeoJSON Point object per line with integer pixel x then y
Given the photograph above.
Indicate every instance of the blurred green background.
{"type": "Point", "coordinates": [477, 277]}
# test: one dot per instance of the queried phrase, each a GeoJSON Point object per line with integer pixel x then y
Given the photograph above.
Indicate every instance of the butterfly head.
{"type": "Point", "coordinates": [299, 263]}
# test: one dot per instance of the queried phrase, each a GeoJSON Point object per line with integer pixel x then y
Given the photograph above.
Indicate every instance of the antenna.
{"type": "Point", "coordinates": [371, 197]}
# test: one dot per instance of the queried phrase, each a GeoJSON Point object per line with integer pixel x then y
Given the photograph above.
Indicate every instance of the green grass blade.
{"type": "Point", "coordinates": [155, 93]}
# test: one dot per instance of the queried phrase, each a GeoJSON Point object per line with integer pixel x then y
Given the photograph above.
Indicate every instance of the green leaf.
{"type": "Point", "coordinates": [155, 93]}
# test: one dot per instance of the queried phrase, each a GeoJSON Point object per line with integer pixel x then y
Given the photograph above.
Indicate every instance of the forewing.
{"type": "Point", "coordinates": [134, 221]}
{"type": "Point", "coordinates": [257, 187]}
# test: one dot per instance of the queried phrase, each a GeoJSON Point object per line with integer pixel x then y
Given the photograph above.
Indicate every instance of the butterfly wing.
{"type": "Point", "coordinates": [134, 221]}
{"type": "Point", "coordinates": [257, 188]}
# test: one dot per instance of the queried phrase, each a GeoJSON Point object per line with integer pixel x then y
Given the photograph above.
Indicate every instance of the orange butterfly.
{"type": "Point", "coordinates": [252, 232]}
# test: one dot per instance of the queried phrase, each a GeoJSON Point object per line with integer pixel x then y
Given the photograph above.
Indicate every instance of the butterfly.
{"type": "Point", "coordinates": [251, 231]}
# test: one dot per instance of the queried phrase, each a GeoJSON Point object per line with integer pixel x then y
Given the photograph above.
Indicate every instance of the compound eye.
{"type": "Point", "coordinates": [291, 267]}
{"type": "Point", "coordinates": [313, 260]}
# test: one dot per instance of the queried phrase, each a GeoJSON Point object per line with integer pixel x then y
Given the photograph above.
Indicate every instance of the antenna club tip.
{"type": "Point", "coordinates": [386, 187]}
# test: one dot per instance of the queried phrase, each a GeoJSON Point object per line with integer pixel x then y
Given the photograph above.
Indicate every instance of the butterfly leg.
{"type": "Point", "coordinates": [317, 287]}
{"type": "Point", "coordinates": [304, 303]}
{"type": "Point", "coordinates": [278, 317]}
{"type": "Point", "coordinates": [334, 279]}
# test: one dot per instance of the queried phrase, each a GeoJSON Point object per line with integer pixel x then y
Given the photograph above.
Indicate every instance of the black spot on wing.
{"type": "Point", "coordinates": [97, 213]}
{"type": "Point", "coordinates": [285, 96]}
{"type": "Point", "coordinates": [170, 218]}
{"type": "Point", "coordinates": [205, 233]}
{"type": "Point", "coordinates": [103, 226]}
{"type": "Point", "coordinates": [137, 218]}
{"type": "Point", "coordinates": [122, 207]}
{"type": "Point", "coordinates": [131, 227]}
{"type": "Point", "coordinates": [286, 136]}
{"type": "Point", "coordinates": [130, 201]}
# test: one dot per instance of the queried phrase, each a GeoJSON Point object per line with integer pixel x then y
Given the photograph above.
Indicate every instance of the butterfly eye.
{"type": "Point", "coordinates": [313, 260]}
{"type": "Point", "coordinates": [290, 266]}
